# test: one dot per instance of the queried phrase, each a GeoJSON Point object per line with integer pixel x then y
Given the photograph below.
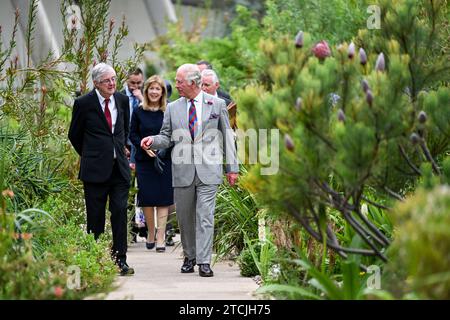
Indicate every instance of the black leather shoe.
{"type": "Point", "coordinates": [204, 270]}
{"type": "Point", "coordinates": [188, 266]}
{"type": "Point", "coordinates": [125, 269]}
{"type": "Point", "coordinates": [149, 245]}
{"type": "Point", "coordinates": [170, 242]}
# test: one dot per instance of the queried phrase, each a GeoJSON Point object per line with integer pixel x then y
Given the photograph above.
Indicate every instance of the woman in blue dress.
{"type": "Point", "coordinates": [153, 168]}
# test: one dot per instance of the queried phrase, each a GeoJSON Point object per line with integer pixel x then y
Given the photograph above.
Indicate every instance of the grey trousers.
{"type": "Point", "coordinates": [195, 213]}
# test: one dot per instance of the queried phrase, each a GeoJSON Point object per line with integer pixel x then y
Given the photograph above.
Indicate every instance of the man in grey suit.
{"type": "Point", "coordinates": [198, 126]}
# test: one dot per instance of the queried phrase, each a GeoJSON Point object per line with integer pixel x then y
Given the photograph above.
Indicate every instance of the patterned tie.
{"type": "Point", "coordinates": [192, 118]}
{"type": "Point", "coordinates": [108, 114]}
{"type": "Point", "coordinates": [135, 102]}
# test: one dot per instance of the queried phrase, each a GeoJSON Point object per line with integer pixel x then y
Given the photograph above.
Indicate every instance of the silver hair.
{"type": "Point", "coordinates": [210, 73]}
{"type": "Point", "coordinates": [192, 73]}
{"type": "Point", "coordinates": [100, 69]}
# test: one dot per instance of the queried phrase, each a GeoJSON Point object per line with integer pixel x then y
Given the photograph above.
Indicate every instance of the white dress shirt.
{"type": "Point", "coordinates": [112, 108]}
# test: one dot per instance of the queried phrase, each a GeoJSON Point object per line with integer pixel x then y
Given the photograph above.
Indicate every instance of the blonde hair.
{"type": "Point", "coordinates": [162, 100]}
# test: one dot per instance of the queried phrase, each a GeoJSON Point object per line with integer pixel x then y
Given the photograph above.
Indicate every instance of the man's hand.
{"type": "Point", "coordinates": [146, 142]}
{"type": "Point", "coordinates": [132, 166]}
{"type": "Point", "coordinates": [232, 178]}
{"type": "Point", "coordinates": [127, 153]}
{"type": "Point", "coordinates": [138, 94]}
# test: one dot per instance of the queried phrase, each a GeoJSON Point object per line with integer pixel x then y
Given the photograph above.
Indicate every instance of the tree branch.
{"type": "Point", "coordinates": [405, 156]}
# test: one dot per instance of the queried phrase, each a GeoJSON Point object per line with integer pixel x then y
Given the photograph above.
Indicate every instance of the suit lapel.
{"type": "Point", "coordinates": [207, 105]}
{"type": "Point", "coordinates": [182, 112]}
{"type": "Point", "coordinates": [119, 111]}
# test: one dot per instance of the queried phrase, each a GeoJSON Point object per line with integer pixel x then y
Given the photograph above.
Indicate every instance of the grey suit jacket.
{"type": "Point", "coordinates": [206, 153]}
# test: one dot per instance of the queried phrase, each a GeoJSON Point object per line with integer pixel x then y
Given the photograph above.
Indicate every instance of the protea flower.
{"type": "Point", "coordinates": [351, 50]}
{"type": "Point", "coordinates": [380, 64]}
{"type": "Point", "coordinates": [365, 85]}
{"type": "Point", "coordinates": [341, 115]}
{"type": "Point", "coordinates": [321, 50]}
{"type": "Point", "coordinates": [298, 104]}
{"type": "Point", "coordinates": [414, 137]}
{"type": "Point", "coordinates": [362, 56]}
{"type": "Point", "coordinates": [288, 142]}
{"type": "Point", "coordinates": [299, 39]}
{"type": "Point", "coordinates": [422, 117]}
{"type": "Point", "coordinates": [369, 97]}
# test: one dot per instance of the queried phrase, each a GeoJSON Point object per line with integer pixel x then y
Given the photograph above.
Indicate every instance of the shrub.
{"type": "Point", "coordinates": [247, 263]}
{"type": "Point", "coordinates": [419, 255]}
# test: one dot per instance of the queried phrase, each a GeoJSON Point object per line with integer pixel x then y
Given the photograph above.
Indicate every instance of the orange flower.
{"type": "Point", "coordinates": [8, 193]}
{"type": "Point", "coordinates": [24, 236]}
{"type": "Point", "coordinates": [27, 236]}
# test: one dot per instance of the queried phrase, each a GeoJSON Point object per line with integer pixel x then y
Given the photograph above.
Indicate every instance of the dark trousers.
{"type": "Point", "coordinates": [96, 195]}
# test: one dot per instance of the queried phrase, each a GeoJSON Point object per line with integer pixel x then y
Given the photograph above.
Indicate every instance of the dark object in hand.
{"type": "Point", "coordinates": [159, 163]}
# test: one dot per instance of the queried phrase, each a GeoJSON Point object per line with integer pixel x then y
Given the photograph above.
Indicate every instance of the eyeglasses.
{"type": "Point", "coordinates": [108, 81]}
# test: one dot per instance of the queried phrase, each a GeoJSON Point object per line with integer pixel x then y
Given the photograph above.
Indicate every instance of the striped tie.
{"type": "Point", "coordinates": [192, 118]}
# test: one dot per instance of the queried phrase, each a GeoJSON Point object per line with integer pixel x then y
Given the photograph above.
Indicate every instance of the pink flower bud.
{"type": "Point", "coordinates": [351, 50]}
{"type": "Point", "coordinates": [341, 115]}
{"type": "Point", "coordinates": [369, 97]}
{"type": "Point", "coordinates": [422, 117]}
{"type": "Point", "coordinates": [380, 64]}
{"type": "Point", "coordinates": [299, 39]}
{"type": "Point", "coordinates": [321, 50]}
{"type": "Point", "coordinates": [58, 291]}
{"type": "Point", "coordinates": [365, 85]}
{"type": "Point", "coordinates": [288, 142]}
{"type": "Point", "coordinates": [362, 56]}
{"type": "Point", "coordinates": [298, 104]}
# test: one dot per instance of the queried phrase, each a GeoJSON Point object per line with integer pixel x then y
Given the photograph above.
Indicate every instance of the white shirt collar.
{"type": "Point", "coordinates": [198, 98]}
{"type": "Point", "coordinates": [127, 90]}
{"type": "Point", "coordinates": [101, 98]}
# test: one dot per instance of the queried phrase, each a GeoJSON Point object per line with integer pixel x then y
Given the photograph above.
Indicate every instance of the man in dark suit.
{"type": "Point", "coordinates": [133, 90]}
{"type": "Point", "coordinates": [202, 65]}
{"type": "Point", "coordinates": [210, 84]}
{"type": "Point", "coordinates": [98, 132]}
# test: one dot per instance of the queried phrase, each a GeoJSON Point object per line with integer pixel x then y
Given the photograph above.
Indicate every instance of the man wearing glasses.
{"type": "Point", "coordinates": [98, 132]}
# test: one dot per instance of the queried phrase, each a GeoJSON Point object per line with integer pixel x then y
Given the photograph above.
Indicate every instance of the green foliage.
{"type": "Point", "coordinates": [421, 30]}
{"type": "Point", "coordinates": [334, 20]}
{"type": "Point", "coordinates": [316, 284]}
{"type": "Point", "coordinates": [235, 215]}
{"type": "Point", "coordinates": [246, 262]}
{"type": "Point", "coordinates": [341, 139]}
{"type": "Point", "coordinates": [419, 256]}
{"type": "Point", "coordinates": [40, 245]}
{"type": "Point", "coordinates": [263, 255]}
{"type": "Point", "coordinates": [36, 251]}
{"type": "Point", "coordinates": [96, 42]}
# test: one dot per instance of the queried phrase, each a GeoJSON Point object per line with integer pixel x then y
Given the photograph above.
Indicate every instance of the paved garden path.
{"type": "Point", "coordinates": [158, 277]}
